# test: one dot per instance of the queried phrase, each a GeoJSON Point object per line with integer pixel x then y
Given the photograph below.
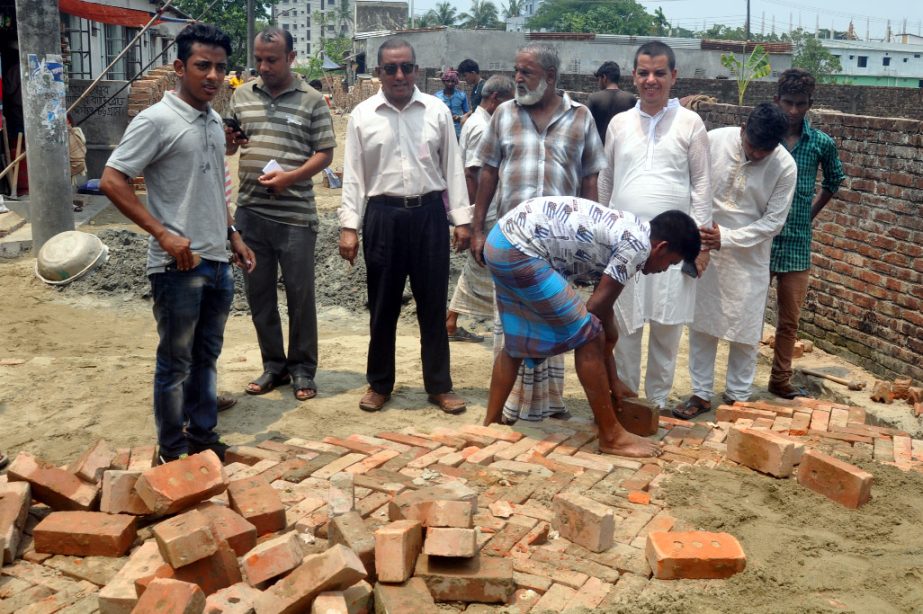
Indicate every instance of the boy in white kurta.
{"type": "Point", "coordinates": [657, 159]}
{"type": "Point", "coordinates": [753, 180]}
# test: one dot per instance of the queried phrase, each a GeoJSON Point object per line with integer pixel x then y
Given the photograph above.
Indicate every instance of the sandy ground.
{"type": "Point", "coordinates": [76, 367]}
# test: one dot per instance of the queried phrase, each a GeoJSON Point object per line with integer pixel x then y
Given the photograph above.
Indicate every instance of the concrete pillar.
{"type": "Point", "coordinates": [44, 110]}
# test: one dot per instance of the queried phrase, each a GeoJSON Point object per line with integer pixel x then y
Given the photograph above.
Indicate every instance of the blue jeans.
{"type": "Point", "coordinates": [191, 309]}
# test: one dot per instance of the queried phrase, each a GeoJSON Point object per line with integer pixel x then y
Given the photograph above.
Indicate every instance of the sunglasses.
{"type": "Point", "coordinates": [391, 69]}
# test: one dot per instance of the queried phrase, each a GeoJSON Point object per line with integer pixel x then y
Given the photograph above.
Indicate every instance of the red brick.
{"type": "Point", "coordinates": [639, 496]}
{"type": "Point", "coordinates": [91, 464]}
{"type": "Point", "coordinates": [429, 458]}
{"type": "Point", "coordinates": [450, 542]}
{"type": "Point", "coordinates": [727, 413]}
{"type": "Point", "coordinates": [165, 596]}
{"type": "Point", "coordinates": [537, 583]}
{"type": "Point", "coordinates": [503, 433]}
{"type": "Point", "coordinates": [272, 559]}
{"type": "Point", "coordinates": [410, 440]}
{"type": "Point", "coordinates": [763, 451]}
{"type": "Point", "coordinates": [258, 503]}
{"type": "Point", "coordinates": [480, 579]}
{"type": "Point", "coordinates": [556, 599]}
{"type": "Point", "coordinates": [638, 416]}
{"type": "Point", "coordinates": [121, 459]}
{"type": "Point", "coordinates": [15, 498]}
{"type": "Point", "coordinates": [485, 455]}
{"type": "Point", "coordinates": [506, 538]}
{"type": "Point", "coordinates": [85, 534]}
{"type": "Point", "coordinates": [235, 599]}
{"type": "Point", "coordinates": [450, 514]}
{"type": "Point", "coordinates": [801, 422]}
{"type": "Point", "coordinates": [359, 598]}
{"type": "Point", "coordinates": [412, 596]}
{"type": "Point", "coordinates": [119, 496]}
{"type": "Point", "coordinates": [340, 464]}
{"type": "Point", "coordinates": [173, 487]}
{"type": "Point", "coordinates": [397, 546]}
{"type": "Point", "coordinates": [335, 569]}
{"type": "Point", "coordinates": [57, 488]}
{"type": "Point", "coordinates": [211, 574]}
{"type": "Point", "coordinates": [844, 483]}
{"type": "Point", "coordinates": [142, 458]}
{"type": "Point", "coordinates": [331, 602]}
{"type": "Point", "coordinates": [583, 521]}
{"type": "Point", "coordinates": [119, 595]}
{"type": "Point", "coordinates": [230, 526]}
{"type": "Point", "coordinates": [341, 497]}
{"type": "Point", "coordinates": [351, 531]}
{"type": "Point", "coordinates": [186, 538]}
{"type": "Point", "coordinates": [694, 555]}
{"type": "Point", "coordinates": [523, 600]}
{"type": "Point", "coordinates": [375, 460]}
{"type": "Point", "coordinates": [415, 504]}
{"type": "Point", "coordinates": [642, 478]}
{"type": "Point", "coordinates": [882, 392]}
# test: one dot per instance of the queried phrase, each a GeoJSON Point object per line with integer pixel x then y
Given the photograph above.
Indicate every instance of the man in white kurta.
{"type": "Point", "coordinates": [657, 160]}
{"type": "Point", "coordinates": [753, 181]}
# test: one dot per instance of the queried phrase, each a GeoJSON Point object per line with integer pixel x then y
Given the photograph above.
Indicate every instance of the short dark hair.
{"type": "Point", "coordinates": [680, 233]}
{"type": "Point", "coordinates": [655, 49]}
{"type": "Point", "coordinates": [796, 81]}
{"type": "Point", "coordinates": [396, 43]}
{"type": "Point", "coordinates": [316, 84]}
{"type": "Point", "coordinates": [272, 32]}
{"type": "Point", "coordinates": [469, 66]}
{"type": "Point", "coordinates": [609, 70]}
{"type": "Point", "coordinates": [766, 126]}
{"type": "Point", "coordinates": [203, 33]}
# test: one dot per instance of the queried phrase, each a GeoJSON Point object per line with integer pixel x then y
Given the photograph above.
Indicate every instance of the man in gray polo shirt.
{"type": "Point", "coordinates": [287, 121]}
{"type": "Point", "coordinates": [178, 145]}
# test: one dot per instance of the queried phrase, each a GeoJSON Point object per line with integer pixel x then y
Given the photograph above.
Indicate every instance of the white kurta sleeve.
{"type": "Point", "coordinates": [771, 222]}
{"type": "Point", "coordinates": [699, 175]}
{"type": "Point", "coordinates": [604, 181]}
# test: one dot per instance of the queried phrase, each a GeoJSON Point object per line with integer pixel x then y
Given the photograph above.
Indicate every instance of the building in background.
{"type": "Point", "coordinates": [894, 64]}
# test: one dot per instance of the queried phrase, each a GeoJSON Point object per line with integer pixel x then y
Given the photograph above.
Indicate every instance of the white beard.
{"type": "Point", "coordinates": [531, 97]}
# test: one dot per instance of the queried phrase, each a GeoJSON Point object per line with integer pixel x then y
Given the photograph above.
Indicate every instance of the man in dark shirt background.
{"type": "Point", "coordinates": [609, 100]}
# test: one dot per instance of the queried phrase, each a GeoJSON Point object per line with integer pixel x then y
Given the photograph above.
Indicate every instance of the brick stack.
{"type": "Point", "coordinates": [531, 517]}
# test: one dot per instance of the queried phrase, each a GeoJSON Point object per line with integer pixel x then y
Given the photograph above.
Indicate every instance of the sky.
{"type": "Point", "coordinates": [867, 16]}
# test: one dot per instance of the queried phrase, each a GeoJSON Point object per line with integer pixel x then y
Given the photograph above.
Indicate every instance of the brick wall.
{"type": "Point", "coordinates": [865, 301]}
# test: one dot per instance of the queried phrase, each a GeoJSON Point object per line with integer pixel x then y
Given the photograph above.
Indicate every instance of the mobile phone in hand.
{"type": "Point", "coordinates": [234, 125]}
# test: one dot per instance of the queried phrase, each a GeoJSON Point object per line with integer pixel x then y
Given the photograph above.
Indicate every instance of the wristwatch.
{"type": "Point", "coordinates": [231, 230]}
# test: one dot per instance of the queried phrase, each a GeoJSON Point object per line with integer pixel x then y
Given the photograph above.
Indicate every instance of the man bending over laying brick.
{"type": "Point", "coordinates": [533, 252]}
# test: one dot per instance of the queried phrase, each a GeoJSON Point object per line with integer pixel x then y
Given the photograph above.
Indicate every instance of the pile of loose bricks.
{"type": "Point", "coordinates": [901, 389]}
{"type": "Point", "coordinates": [531, 516]}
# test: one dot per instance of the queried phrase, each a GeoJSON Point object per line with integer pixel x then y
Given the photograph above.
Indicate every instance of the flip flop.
{"type": "Point", "coordinates": [302, 388]}
{"type": "Point", "coordinates": [268, 382]}
{"type": "Point", "coordinates": [225, 403]}
{"type": "Point", "coordinates": [694, 406]}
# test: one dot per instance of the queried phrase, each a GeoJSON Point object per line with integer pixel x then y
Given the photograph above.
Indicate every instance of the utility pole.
{"type": "Point", "coordinates": [251, 31]}
{"type": "Point", "coordinates": [51, 200]}
{"type": "Point", "coordinates": [747, 30]}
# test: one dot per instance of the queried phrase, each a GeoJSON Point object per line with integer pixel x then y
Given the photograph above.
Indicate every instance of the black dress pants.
{"type": "Point", "coordinates": [399, 242]}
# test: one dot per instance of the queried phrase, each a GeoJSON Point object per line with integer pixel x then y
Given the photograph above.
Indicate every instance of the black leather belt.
{"type": "Point", "coordinates": [407, 202]}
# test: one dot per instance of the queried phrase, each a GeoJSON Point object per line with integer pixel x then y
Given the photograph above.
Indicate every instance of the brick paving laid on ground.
{"type": "Point", "coordinates": [530, 517]}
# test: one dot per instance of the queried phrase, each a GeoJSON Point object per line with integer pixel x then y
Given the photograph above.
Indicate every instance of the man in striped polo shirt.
{"type": "Point", "coordinates": [286, 121]}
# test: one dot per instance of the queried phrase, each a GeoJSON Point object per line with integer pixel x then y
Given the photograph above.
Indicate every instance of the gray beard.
{"type": "Point", "coordinates": [532, 97]}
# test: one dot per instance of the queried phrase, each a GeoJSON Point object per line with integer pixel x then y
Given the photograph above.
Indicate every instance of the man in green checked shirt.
{"type": "Point", "coordinates": [790, 260]}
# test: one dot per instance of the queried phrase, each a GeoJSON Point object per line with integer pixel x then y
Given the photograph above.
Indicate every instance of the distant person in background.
{"type": "Point", "coordinates": [609, 101]}
{"type": "Point", "coordinates": [474, 291]}
{"type": "Point", "coordinates": [454, 99]}
{"type": "Point", "coordinates": [790, 260]}
{"type": "Point", "coordinates": [237, 79]}
{"type": "Point", "coordinates": [471, 73]}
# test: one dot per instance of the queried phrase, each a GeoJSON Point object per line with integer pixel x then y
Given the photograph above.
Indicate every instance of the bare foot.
{"type": "Point", "coordinates": [629, 444]}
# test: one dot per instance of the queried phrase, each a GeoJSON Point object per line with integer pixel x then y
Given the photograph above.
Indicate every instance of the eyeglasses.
{"type": "Point", "coordinates": [391, 69]}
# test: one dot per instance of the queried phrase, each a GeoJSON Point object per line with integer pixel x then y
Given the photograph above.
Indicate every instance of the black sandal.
{"type": "Point", "coordinates": [694, 406]}
{"type": "Point", "coordinates": [302, 384]}
{"type": "Point", "coordinates": [268, 382]}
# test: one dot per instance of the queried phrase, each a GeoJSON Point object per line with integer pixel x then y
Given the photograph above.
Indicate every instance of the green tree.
{"type": "Point", "coordinates": [808, 53]}
{"type": "Point", "coordinates": [231, 17]}
{"type": "Point", "coordinates": [660, 27]}
{"type": "Point", "coordinates": [483, 15]}
{"type": "Point", "coordinates": [513, 8]}
{"type": "Point", "coordinates": [443, 15]}
{"type": "Point", "coordinates": [343, 16]}
{"type": "Point", "coordinates": [746, 69]}
{"type": "Point", "coordinates": [616, 17]}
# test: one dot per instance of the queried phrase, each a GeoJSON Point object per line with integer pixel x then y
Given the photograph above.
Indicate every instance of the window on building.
{"type": "Point", "coordinates": [78, 44]}
{"type": "Point", "coordinates": [285, 26]}
{"type": "Point", "coordinates": [905, 60]}
{"type": "Point", "coordinates": [863, 61]}
{"type": "Point", "coordinates": [115, 42]}
{"type": "Point", "coordinates": [885, 61]}
{"type": "Point", "coordinates": [307, 48]}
